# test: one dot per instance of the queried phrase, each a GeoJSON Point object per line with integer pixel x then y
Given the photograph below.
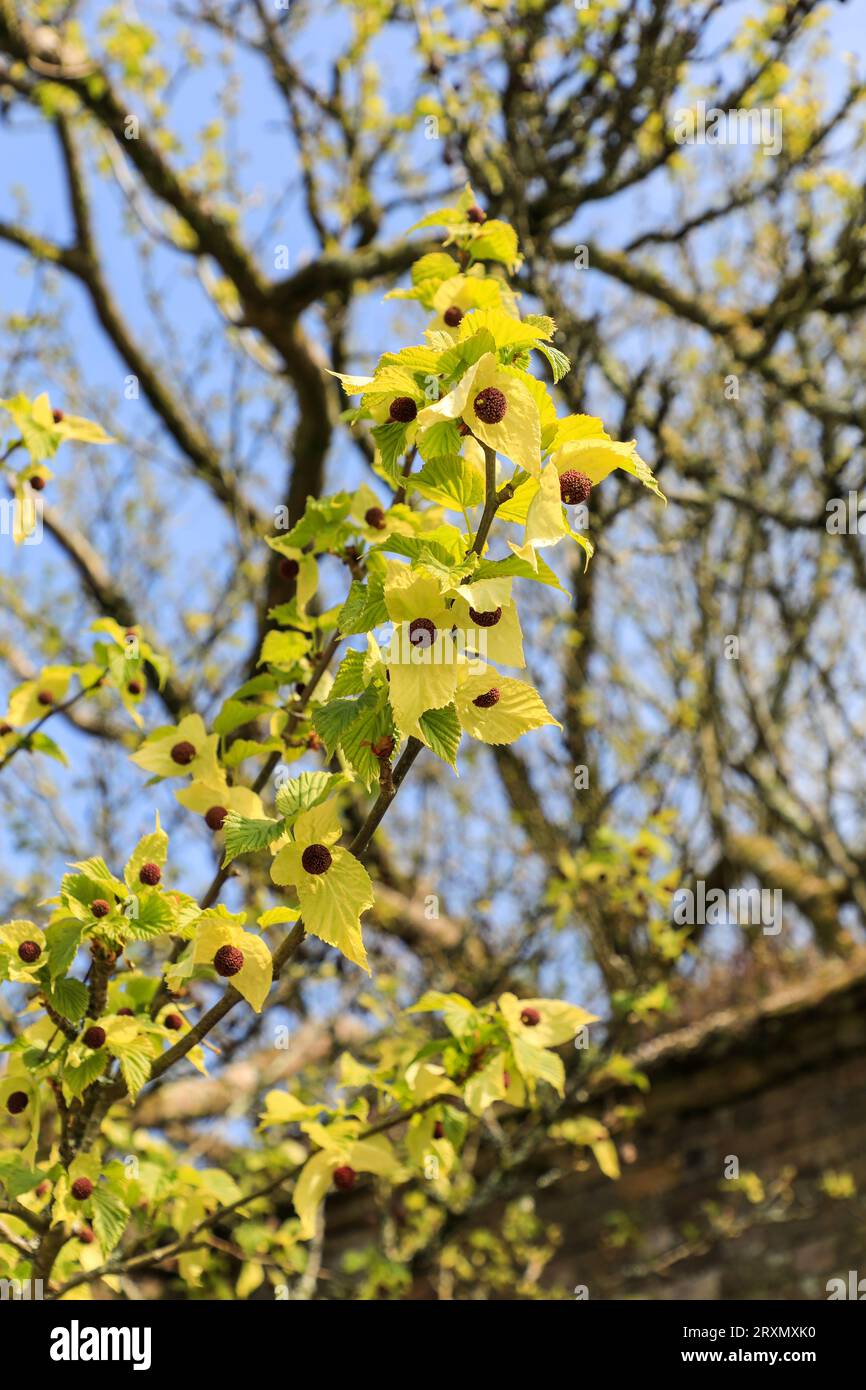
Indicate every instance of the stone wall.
{"type": "Point", "coordinates": [780, 1087]}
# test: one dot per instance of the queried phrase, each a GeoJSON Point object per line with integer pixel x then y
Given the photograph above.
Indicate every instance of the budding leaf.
{"type": "Point", "coordinates": [303, 793]}
{"type": "Point", "coordinates": [363, 609]}
{"type": "Point", "coordinates": [69, 999]}
{"type": "Point", "coordinates": [243, 836]}
{"type": "Point", "coordinates": [110, 1215]}
{"type": "Point", "coordinates": [440, 730]}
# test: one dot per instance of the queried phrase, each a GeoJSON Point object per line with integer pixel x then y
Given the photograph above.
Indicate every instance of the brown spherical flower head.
{"type": "Point", "coordinates": [215, 817]}
{"type": "Point", "coordinates": [382, 747]}
{"type": "Point", "coordinates": [150, 874]}
{"type": "Point", "coordinates": [94, 1037]}
{"type": "Point", "coordinates": [403, 409]}
{"type": "Point", "coordinates": [82, 1188]}
{"type": "Point", "coordinates": [375, 517]}
{"type": "Point", "coordinates": [17, 1101]}
{"type": "Point", "coordinates": [183, 753]}
{"type": "Point", "coordinates": [316, 859]}
{"type": "Point", "coordinates": [476, 214]}
{"type": "Point", "coordinates": [135, 687]}
{"type": "Point", "coordinates": [438, 1130]}
{"type": "Point", "coordinates": [5, 729]}
{"type": "Point", "coordinates": [100, 908]}
{"type": "Point", "coordinates": [487, 619]}
{"type": "Point", "coordinates": [574, 487]}
{"type": "Point", "coordinates": [314, 743]}
{"type": "Point", "coordinates": [125, 1013]}
{"type": "Point", "coordinates": [37, 483]}
{"type": "Point", "coordinates": [488, 699]}
{"type": "Point", "coordinates": [344, 1177]}
{"type": "Point", "coordinates": [43, 1189]}
{"type": "Point", "coordinates": [228, 961]}
{"type": "Point", "coordinates": [530, 1017]}
{"type": "Point", "coordinates": [490, 405]}
{"type": "Point", "coordinates": [45, 697]}
{"type": "Point", "coordinates": [57, 416]}
{"type": "Point", "coordinates": [422, 633]}
{"type": "Point", "coordinates": [29, 951]}
{"type": "Point", "coordinates": [453, 315]}
{"type": "Point", "coordinates": [173, 1021]}
{"type": "Point", "coordinates": [85, 1235]}
{"type": "Point", "coordinates": [289, 569]}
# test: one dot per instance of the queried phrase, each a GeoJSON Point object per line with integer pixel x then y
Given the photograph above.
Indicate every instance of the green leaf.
{"type": "Point", "coordinates": [497, 242]}
{"type": "Point", "coordinates": [302, 793]}
{"type": "Point", "coordinates": [349, 680]}
{"type": "Point", "coordinates": [538, 1064]}
{"type": "Point", "coordinates": [514, 567]}
{"type": "Point", "coordinates": [259, 685]}
{"type": "Point", "coordinates": [287, 615]}
{"type": "Point", "coordinates": [559, 363]}
{"type": "Point", "coordinates": [135, 1065]}
{"type": "Point", "coordinates": [77, 1079]}
{"type": "Point", "coordinates": [41, 743]}
{"type": "Point", "coordinates": [41, 440]}
{"type": "Point", "coordinates": [364, 608]}
{"type": "Point", "coordinates": [391, 445]}
{"type": "Point", "coordinates": [17, 1178]}
{"type": "Point", "coordinates": [63, 939]}
{"type": "Point", "coordinates": [373, 721]}
{"type": "Point", "coordinates": [466, 353]}
{"type": "Point", "coordinates": [69, 999]}
{"type": "Point", "coordinates": [244, 836]}
{"type": "Point", "coordinates": [333, 720]}
{"type": "Point", "coordinates": [444, 545]}
{"type": "Point", "coordinates": [110, 1216]}
{"type": "Point", "coordinates": [321, 523]}
{"type": "Point", "coordinates": [283, 649]}
{"type": "Point", "coordinates": [450, 481]}
{"type": "Point", "coordinates": [154, 916]}
{"type": "Point", "coordinates": [442, 733]}
{"type": "Point", "coordinates": [101, 877]}
{"type": "Point", "coordinates": [459, 1012]}
{"type": "Point", "coordinates": [242, 748]}
{"type": "Point", "coordinates": [235, 713]}
{"type": "Point", "coordinates": [443, 437]}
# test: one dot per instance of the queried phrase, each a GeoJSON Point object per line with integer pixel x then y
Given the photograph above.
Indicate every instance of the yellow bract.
{"type": "Point", "coordinates": [331, 902]}
{"type": "Point", "coordinates": [154, 754]}
{"type": "Point", "coordinates": [373, 1155]}
{"type": "Point", "coordinates": [24, 704]}
{"type": "Point", "coordinates": [558, 1021]}
{"type": "Point", "coordinates": [201, 795]}
{"type": "Point", "coordinates": [518, 709]}
{"type": "Point", "coordinates": [517, 435]}
{"type": "Point", "coordinates": [255, 976]}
